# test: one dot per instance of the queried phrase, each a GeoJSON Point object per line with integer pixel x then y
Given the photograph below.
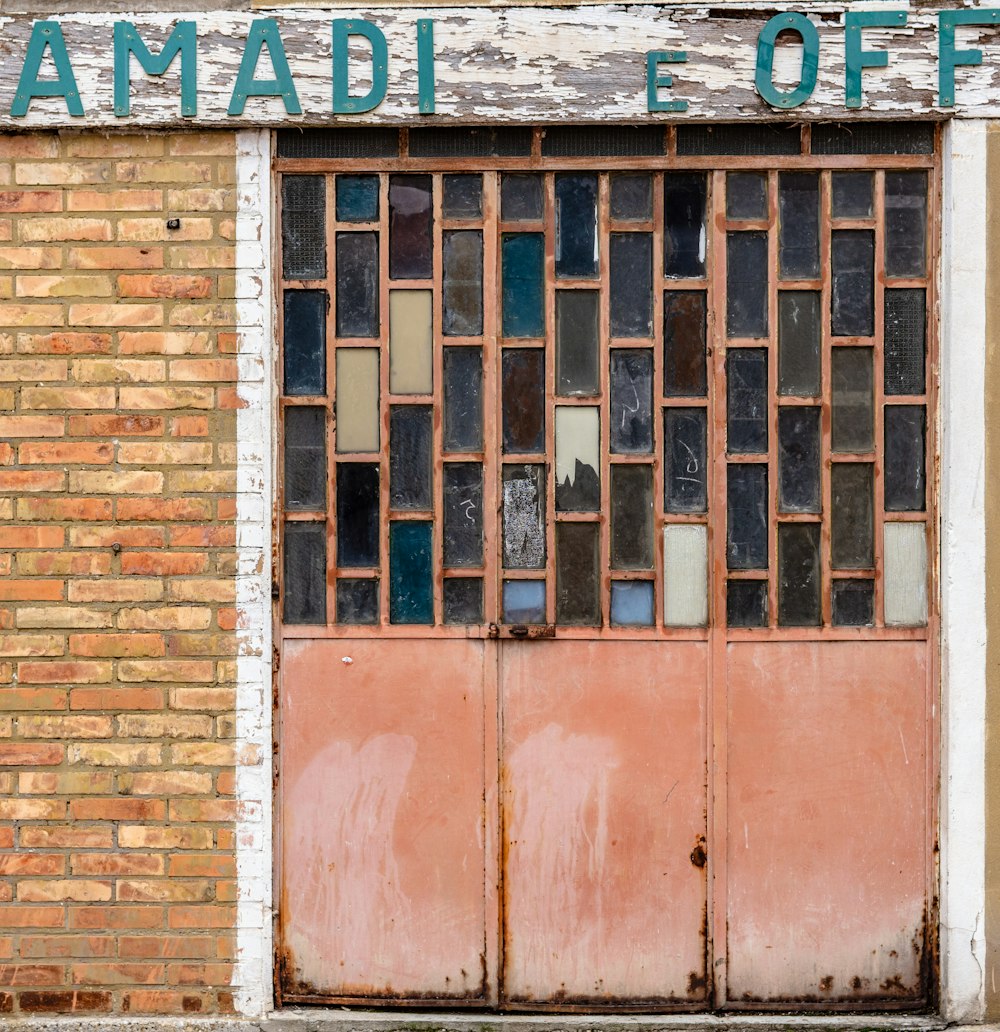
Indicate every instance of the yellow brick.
{"type": "Point", "coordinates": [221, 314]}
{"type": "Point", "coordinates": [201, 257]}
{"type": "Point", "coordinates": [164, 172]}
{"type": "Point", "coordinates": [68, 397]}
{"type": "Point", "coordinates": [64, 286]}
{"type": "Point", "coordinates": [198, 144]}
{"type": "Point", "coordinates": [114, 200]}
{"type": "Point", "coordinates": [173, 342]}
{"type": "Point", "coordinates": [30, 257]}
{"type": "Point", "coordinates": [93, 145]}
{"type": "Point", "coordinates": [114, 482]}
{"type": "Point", "coordinates": [31, 315]}
{"type": "Point", "coordinates": [117, 371]}
{"type": "Point", "coordinates": [116, 315]}
{"type": "Point", "coordinates": [201, 199]}
{"type": "Point", "coordinates": [70, 173]}
{"type": "Point", "coordinates": [42, 230]}
{"type": "Point", "coordinates": [62, 616]}
{"type": "Point", "coordinates": [191, 228]}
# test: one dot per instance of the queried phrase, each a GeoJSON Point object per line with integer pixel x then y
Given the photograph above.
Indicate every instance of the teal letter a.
{"type": "Point", "coordinates": [46, 34]}
{"type": "Point", "coordinates": [264, 32]}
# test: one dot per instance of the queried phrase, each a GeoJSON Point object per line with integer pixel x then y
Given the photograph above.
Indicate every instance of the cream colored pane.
{"type": "Point", "coordinates": [411, 341]}
{"type": "Point", "coordinates": [578, 439]}
{"type": "Point", "coordinates": [905, 563]}
{"type": "Point", "coordinates": [685, 562]}
{"type": "Point", "coordinates": [357, 400]}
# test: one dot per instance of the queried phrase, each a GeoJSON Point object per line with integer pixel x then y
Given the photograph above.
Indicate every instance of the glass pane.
{"type": "Point", "coordinates": [905, 464]}
{"type": "Point", "coordinates": [632, 517]}
{"type": "Point", "coordinates": [746, 603]}
{"type": "Point", "coordinates": [305, 457]}
{"type": "Point", "coordinates": [685, 373]}
{"type": "Point", "coordinates": [523, 297]}
{"type": "Point", "coordinates": [746, 516]}
{"type": "Point", "coordinates": [578, 459]}
{"type": "Point", "coordinates": [578, 599]}
{"type": "Point", "coordinates": [905, 223]}
{"type": "Point", "coordinates": [357, 601]}
{"type": "Point", "coordinates": [905, 556]}
{"type": "Point", "coordinates": [684, 195]}
{"type": "Point", "coordinates": [357, 400]}
{"type": "Point", "coordinates": [853, 603]}
{"type": "Point", "coordinates": [462, 198]}
{"type": "Point", "coordinates": [746, 284]}
{"type": "Point", "coordinates": [852, 195]}
{"type": "Point", "coordinates": [576, 341]}
{"type": "Point", "coordinates": [524, 517]}
{"type": "Point", "coordinates": [576, 226]}
{"type": "Point", "coordinates": [798, 459]}
{"type": "Point", "coordinates": [411, 342]}
{"type": "Point", "coordinates": [852, 302]}
{"type": "Point", "coordinates": [852, 502]}
{"type": "Point", "coordinates": [524, 601]}
{"type": "Point", "coordinates": [520, 197]}
{"type": "Point", "coordinates": [631, 294]}
{"type": "Point", "coordinates": [304, 341]}
{"type": "Point", "coordinates": [632, 401]}
{"type": "Point", "coordinates": [411, 599]}
{"type": "Point", "coordinates": [357, 285]}
{"type": "Point", "coordinates": [685, 480]}
{"type": "Point", "coordinates": [463, 600]}
{"type": "Point", "coordinates": [303, 227]}
{"type": "Point", "coordinates": [853, 409]}
{"type": "Point", "coordinates": [746, 195]}
{"type": "Point", "coordinates": [357, 198]}
{"type": "Point", "coordinates": [523, 375]}
{"type": "Point", "coordinates": [411, 218]}
{"type": "Point", "coordinates": [304, 589]}
{"type": "Point", "coordinates": [746, 401]}
{"type": "Point", "coordinates": [463, 399]}
{"type": "Point", "coordinates": [798, 225]}
{"type": "Point", "coordinates": [905, 336]}
{"type": "Point", "coordinates": [632, 603]}
{"type": "Point", "coordinates": [685, 566]}
{"type": "Point", "coordinates": [799, 334]}
{"type": "Point", "coordinates": [410, 447]}
{"type": "Point", "coordinates": [798, 575]}
{"type": "Point", "coordinates": [631, 196]}
{"type": "Point", "coordinates": [357, 514]}
{"type": "Point", "coordinates": [463, 514]}
{"type": "Point", "coordinates": [462, 283]}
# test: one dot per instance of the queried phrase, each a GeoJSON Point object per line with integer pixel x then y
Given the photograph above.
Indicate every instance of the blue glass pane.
{"type": "Point", "coordinates": [523, 601]}
{"type": "Point", "coordinates": [632, 603]}
{"type": "Point", "coordinates": [305, 342]}
{"type": "Point", "coordinates": [523, 296]}
{"type": "Point", "coordinates": [411, 599]}
{"type": "Point", "coordinates": [357, 198]}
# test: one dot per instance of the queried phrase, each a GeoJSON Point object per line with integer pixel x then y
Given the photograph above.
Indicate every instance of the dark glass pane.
{"type": "Point", "coordinates": [305, 457]}
{"type": "Point", "coordinates": [799, 335]}
{"type": "Point", "coordinates": [578, 599]}
{"type": "Point", "coordinates": [746, 516]}
{"type": "Point", "coordinates": [798, 459]}
{"type": "Point", "coordinates": [303, 227]}
{"type": "Point", "coordinates": [304, 590]}
{"type": "Point", "coordinates": [338, 143]}
{"type": "Point", "coordinates": [685, 372]}
{"type": "Point", "coordinates": [357, 601]}
{"type": "Point", "coordinates": [463, 514]}
{"type": "Point", "coordinates": [304, 341]}
{"type": "Point", "coordinates": [631, 258]}
{"type": "Point", "coordinates": [576, 341]}
{"type": "Point", "coordinates": [798, 574]}
{"type": "Point", "coordinates": [411, 219]}
{"type": "Point", "coordinates": [631, 517]}
{"type": "Point", "coordinates": [411, 597]}
{"type": "Point", "coordinates": [853, 408]}
{"type": "Point", "coordinates": [611, 141]}
{"type": "Point", "coordinates": [357, 198]}
{"type": "Point", "coordinates": [632, 604]}
{"type": "Point", "coordinates": [462, 283]}
{"type": "Point", "coordinates": [524, 601]}
{"type": "Point", "coordinates": [463, 399]}
{"type": "Point", "coordinates": [798, 225]}
{"type": "Point", "coordinates": [632, 196]}
{"type": "Point", "coordinates": [462, 198]}
{"type": "Point", "coordinates": [357, 513]}
{"type": "Point", "coordinates": [905, 461]}
{"type": "Point", "coordinates": [852, 195]}
{"type": "Point", "coordinates": [470, 142]}
{"type": "Point", "coordinates": [357, 285]}
{"type": "Point", "coordinates": [746, 401]}
{"type": "Point", "coordinates": [853, 273]}
{"type": "Point", "coordinates": [746, 603]}
{"type": "Point", "coordinates": [746, 195]}
{"type": "Point", "coordinates": [685, 477]}
{"type": "Point", "coordinates": [873, 138]}
{"type": "Point", "coordinates": [524, 517]}
{"type": "Point", "coordinates": [905, 337]}
{"type": "Point", "coordinates": [632, 401]}
{"type": "Point", "coordinates": [852, 526]}
{"type": "Point", "coordinates": [684, 195]}
{"type": "Point", "coordinates": [410, 445]}
{"type": "Point", "coordinates": [520, 197]}
{"type": "Point", "coordinates": [905, 223]}
{"type": "Point", "coordinates": [743, 139]}
{"type": "Point", "coordinates": [523, 297]}
{"type": "Point", "coordinates": [523, 394]}
{"type": "Point", "coordinates": [463, 600]}
{"type": "Point", "coordinates": [853, 603]}
{"type": "Point", "coordinates": [746, 284]}
{"type": "Point", "coordinates": [576, 226]}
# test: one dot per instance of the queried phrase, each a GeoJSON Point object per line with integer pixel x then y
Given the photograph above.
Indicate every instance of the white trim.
{"type": "Point", "coordinates": [963, 572]}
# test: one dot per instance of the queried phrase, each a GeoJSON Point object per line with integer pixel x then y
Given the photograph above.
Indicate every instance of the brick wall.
{"type": "Point", "coordinates": [117, 566]}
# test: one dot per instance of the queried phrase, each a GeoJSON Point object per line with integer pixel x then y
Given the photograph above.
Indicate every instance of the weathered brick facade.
{"type": "Point", "coordinates": [117, 565]}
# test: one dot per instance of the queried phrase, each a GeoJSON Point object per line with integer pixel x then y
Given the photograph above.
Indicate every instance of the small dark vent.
{"type": "Point", "coordinates": [756, 138]}
{"type": "Point", "coordinates": [873, 138]}
{"type": "Point", "coordinates": [477, 142]}
{"type": "Point", "coordinates": [602, 142]}
{"type": "Point", "coordinates": [338, 143]}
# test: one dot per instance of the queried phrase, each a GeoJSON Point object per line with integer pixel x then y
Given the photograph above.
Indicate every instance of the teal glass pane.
{"type": "Point", "coordinates": [523, 294]}
{"type": "Point", "coordinates": [411, 599]}
{"type": "Point", "coordinates": [357, 198]}
{"type": "Point", "coordinates": [632, 603]}
{"type": "Point", "coordinates": [523, 601]}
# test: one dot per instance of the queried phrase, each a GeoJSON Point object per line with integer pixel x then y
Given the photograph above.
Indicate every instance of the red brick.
{"type": "Point", "coordinates": [116, 426]}
{"type": "Point", "coordinates": [66, 452]}
{"type": "Point", "coordinates": [76, 672]}
{"type": "Point", "coordinates": [32, 537]}
{"type": "Point", "coordinates": [118, 974]}
{"type": "Point", "coordinates": [30, 974]}
{"type": "Point", "coordinates": [30, 754]}
{"type": "Point", "coordinates": [64, 343]}
{"type": "Point", "coordinates": [12, 201]}
{"type": "Point", "coordinates": [117, 809]}
{"type": "Point", "coordinates": [32, 426]}
{"type": "Point", "coordinates": [163, 564]}
{"type": "Point", "coordinates": [68, 509]}
{"type": "Point", "coordinates": [33, 917]}
{"type": "Point", "coordinates": [201, 917]}
{"type": "Point", "coordinates": [190, 510]}
{"type": "Point", "coordinates": [94, 917]}
{"type": "Point", "coordinates": [65, 1001]}
{"type": "Point", "coordinates": [116, 699]}
{"type": "Point", "coordinates": [165, 286]}
{"type": "Point", "coordinates": [30, 590]}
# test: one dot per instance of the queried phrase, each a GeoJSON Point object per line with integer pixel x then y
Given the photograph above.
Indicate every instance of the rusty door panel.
{"type": "Point", "coordinates": [604, 797]}
{"type": "Point", "coordinates": [828, 818]}
{"type": "Point", "coordinates": [384, 844]}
